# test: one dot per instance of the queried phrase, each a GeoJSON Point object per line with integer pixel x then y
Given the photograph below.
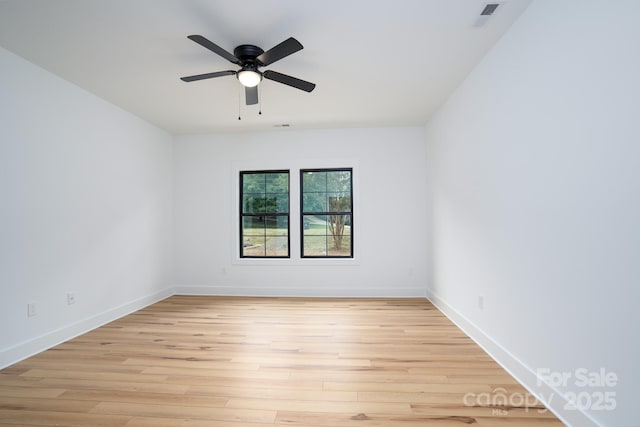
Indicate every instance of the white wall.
{"type": "Point", "coordinates": [390, 247]}
{"type": "Point", "coordinates": [85, 207]}
{"type": "Point", "coordinates": [536, 201]}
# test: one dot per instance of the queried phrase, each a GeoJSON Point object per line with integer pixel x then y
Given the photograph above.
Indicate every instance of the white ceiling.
{"type": "Point", "coordinates": [375, 62]}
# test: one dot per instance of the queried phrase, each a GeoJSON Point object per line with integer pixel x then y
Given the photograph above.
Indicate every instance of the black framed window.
{"type": "Point", "coordinates": [264, 214]}
{"type": "Point", "coordinates": [326, 213]}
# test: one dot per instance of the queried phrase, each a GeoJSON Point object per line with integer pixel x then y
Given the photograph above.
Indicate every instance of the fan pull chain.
{"type": "Point", "coordinates": [239, 101]}
{"type": "Point", "coordinates": [259, 100]}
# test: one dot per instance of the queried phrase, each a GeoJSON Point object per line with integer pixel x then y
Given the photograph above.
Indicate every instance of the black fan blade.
{"type": "Point", "coordinates": [207, 76]}
{"type": "Point", "coordinates": [289, 81]}
{"type": "Point", "coordinates": [278, 52]}
{"type": "Point", "coordinates": [214, 48]}
{"type": "Point", "coordinates": [251, 95]}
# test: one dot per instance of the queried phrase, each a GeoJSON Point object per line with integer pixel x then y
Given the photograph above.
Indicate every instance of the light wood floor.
{"type": "Point", "coordinates": [255, 362]}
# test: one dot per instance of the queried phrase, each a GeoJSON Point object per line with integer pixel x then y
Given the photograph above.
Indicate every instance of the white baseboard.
{"type": "Point", "coordinates": [34, 346]}
{"type": "Point", "coordinates": [552, 398]}
{"type": "Point", "coordinates": [326, 292]}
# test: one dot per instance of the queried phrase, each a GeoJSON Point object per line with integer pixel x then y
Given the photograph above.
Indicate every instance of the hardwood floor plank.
{"type": "Point", "coordinates": [249, 415]}
{"type": "Point", "coordinates": [206, 385]}
{"type": "Point", "coordinates": [354, 407]}
{"type": "Point", "coordinates": [361, 375]}
{"type": "Point", "coordinates": [407, 387]}
{"type": "Point", "coordinates": [45, 404]}
{"type": "Point", "coordinates": [273, 374]}
{"type": "Point", "coordinates": [217, 401]}
{"type": "Point", "coordinates": [507, 420]}
{"type": "Point", "coordinates": [96, 376]}
{"type": "Point", "coordinates": [174, 422]}
{"type": "Point", "coordinates": [201, 362]}
{"type": "Point", "coordinates": [301, 360]}
{"type": "Point", "coordinates": [80, 384]}
{"type": "Point", "coordinates": [15, 418]}
{"type": "Point", "coordinates": [310, 419]}
{"type": "Point", "coordinates": [30, 392]}
{"type": "Point", "coordinates": [487, 412]}
{"type": "Point", "coordinates": [288, 393]}
{"type": "Point", "coordinates": [440, 398]}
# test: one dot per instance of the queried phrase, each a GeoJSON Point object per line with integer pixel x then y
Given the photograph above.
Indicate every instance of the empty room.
{"type": "Point", "coordinates": [334, 213]}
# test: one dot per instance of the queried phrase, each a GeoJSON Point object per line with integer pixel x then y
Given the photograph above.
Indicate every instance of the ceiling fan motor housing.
{"type": "Point", "coordinates": [247, 54]}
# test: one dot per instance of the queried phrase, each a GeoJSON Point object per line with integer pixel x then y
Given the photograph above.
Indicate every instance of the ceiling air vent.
{"type": "Point", "coordinates": [489, 9]}
{"type": "Point", "coordinates": [486, 14]}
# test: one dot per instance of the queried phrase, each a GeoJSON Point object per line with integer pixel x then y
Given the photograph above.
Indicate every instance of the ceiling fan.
{"type": "Point", "coordinates": [250, 58]}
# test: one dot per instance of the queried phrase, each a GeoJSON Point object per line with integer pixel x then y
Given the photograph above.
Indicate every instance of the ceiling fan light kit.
{"type": "Point", "coordinates": [249, 78]}
{"type": "Point", "coordinates": [250, 58]}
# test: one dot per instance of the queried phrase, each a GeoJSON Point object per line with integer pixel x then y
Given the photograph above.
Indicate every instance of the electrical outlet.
{"type": "Point", "coordinates": [481, 302]}
{"type": "Point", "coordinates": [31, 309]}
{"type": "Point", "coordinates": [71, 298]}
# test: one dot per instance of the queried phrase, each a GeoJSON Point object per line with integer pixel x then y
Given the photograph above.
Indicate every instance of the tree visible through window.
{"type": "Point", "coordinates": [326, 213]}
{"type": "Point", "coordinates": [264, 214]}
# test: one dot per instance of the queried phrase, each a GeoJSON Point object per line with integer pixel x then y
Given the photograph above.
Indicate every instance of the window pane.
{"type": "Point", "coordinates": [282, 223]}
{"type": "Point", "coordinates": [339, 202]}
{"type": "Point", "coordinates": [314, 181]}
{"type": "Point", "coordinates": [276, 225]}
{"type": "Point", "coordinates": [253, 226]}
{"type": "Point", "coordinates": [253, 204]}
{"type": "Point", "coordinates": [339, 181]}
{"type": "Point", "coordinates": [277, 246]}
{"type": "Point", "coordinates": [253, 183]}
{"type": "Point", "coordinates": [315, 246]}
{"type": "Point", "coordinates": [281, 203]}
{"type": "Point", "coordinates": [343, 250]}
{"type": "Point", "coordinates": [314, 225]}
{"type": "Point", "coordinates": [270, 203]}
{"type": "Point", "coordinates": [253, 246]}
{"type": "Point", "coordinates": [314, 202]}
{"type": "Point", "coordinates": [277, 183]}
{"type": "Point", "coordinates": [339, 225]}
